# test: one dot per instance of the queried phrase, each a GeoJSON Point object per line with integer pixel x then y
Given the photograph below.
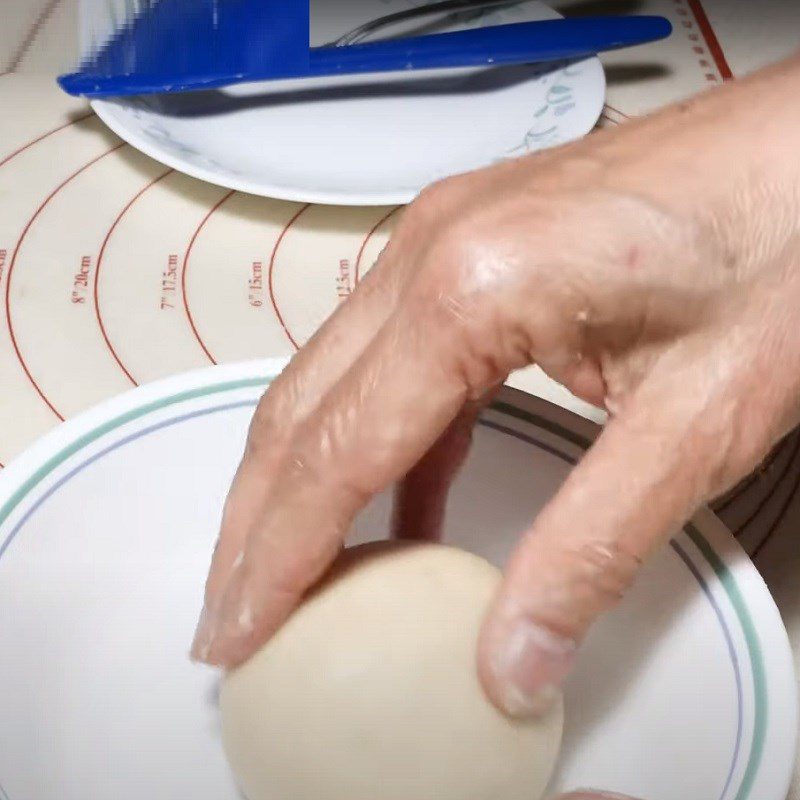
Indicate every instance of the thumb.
{"type": "Point", "coordinates": [646, 474]}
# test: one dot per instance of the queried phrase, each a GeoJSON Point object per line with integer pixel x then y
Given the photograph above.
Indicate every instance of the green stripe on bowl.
{"type": "Point", "coordinates": [724, 575]}
{"type": "Point", "coordinates": [756, 658]}
{"type": "Point", "coordinates": [107, 427]}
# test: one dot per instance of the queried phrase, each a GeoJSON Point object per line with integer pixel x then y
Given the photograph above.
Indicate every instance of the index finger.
{"type": "Point", "coordinates": [291, 398]}
{"type": "Point", "coordinates": [376, 422]}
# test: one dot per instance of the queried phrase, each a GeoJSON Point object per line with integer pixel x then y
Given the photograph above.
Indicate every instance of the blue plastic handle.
{"type": "Point", "coordinates": [518, 43]}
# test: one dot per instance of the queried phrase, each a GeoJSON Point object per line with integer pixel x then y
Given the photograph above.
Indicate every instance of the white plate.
{"type": "Point", "coordinates": [106, 529]}
{"type": "Point", "coordinates": [364, 140]}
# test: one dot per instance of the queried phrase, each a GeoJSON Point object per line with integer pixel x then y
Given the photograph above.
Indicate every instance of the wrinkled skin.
{"type": "Point", "coordinates": [653, 270]}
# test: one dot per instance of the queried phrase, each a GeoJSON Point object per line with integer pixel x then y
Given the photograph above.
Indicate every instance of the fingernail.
{"type": "Point", "coordinates": [210, 618]}
{"type": "Point", "coordinates": [204, 636]}
{"type": "Point", "coordinates": [229, 626]}
{"type": "Point", "coordinates": [530, 665]}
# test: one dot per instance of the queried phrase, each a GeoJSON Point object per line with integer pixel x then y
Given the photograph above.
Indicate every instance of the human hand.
{"type": "Point", "coordinates": [653, 269]}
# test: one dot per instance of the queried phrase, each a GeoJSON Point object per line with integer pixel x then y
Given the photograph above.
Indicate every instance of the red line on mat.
{"type": "Point", "coordinates": [29, 39]}
{"type": "Point", "coordinates": [43, 137]}
{"type": "Point", "coordinates": [186, 257]}
{"type": "Point", "coordinates": [367, 240]}
{"type": "Point", "coordinates": [100, 257]}
{"type": "Point", "coordinates": [714, 47]}
{"type": "Point", "coordinates": [11, 266]}
{"type": "Point", "coordinates": [271, 269]}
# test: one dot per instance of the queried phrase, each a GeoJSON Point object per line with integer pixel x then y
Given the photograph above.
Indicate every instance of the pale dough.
{"type": "Point", "coordinates": [370, 691]}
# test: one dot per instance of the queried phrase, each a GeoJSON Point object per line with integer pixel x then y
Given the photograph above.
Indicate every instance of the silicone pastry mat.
{"type": "Point", "coordinates": [115, 270]}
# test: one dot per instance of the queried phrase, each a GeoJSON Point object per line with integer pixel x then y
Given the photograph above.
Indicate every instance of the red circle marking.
{"type": "Point", "coordinates": [367, 240]}
{"type": "Point", "coordinates": [100, 257]}
{"type": "Point", "coordinates": [714, 47]}
{"type": "Point", "coordinates": [11, 266]}
{"type": "Point", "coordinates": [272, 267]}
{"type": "Point", "coordinates": [43, 137]}
{"type": "Point", "coordinates": [186, 268]}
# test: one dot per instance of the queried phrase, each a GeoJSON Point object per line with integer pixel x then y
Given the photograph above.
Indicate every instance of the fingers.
{"type": "Point", "coordinates": [377, 421]}
{"type": "Point", "coordinates": [646, 474]}
{"type": "Point", "coordinates": [290, 399]}
{"type": "Point", "coordinates": [421, 498]}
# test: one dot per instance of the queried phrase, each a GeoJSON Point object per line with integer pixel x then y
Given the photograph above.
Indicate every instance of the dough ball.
{"type": "Point", "coordinates": [370, 691]}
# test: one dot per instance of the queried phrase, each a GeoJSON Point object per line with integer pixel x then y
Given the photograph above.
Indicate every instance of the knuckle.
{"type": "Point", "coordinates": [600, 574]}
{"type": "Point", "coordinates": [441, 201]}
{"type": "Point", "coordinates": [276, 416]}
{"type": "Point", "coordinates": [468, 260]}
{"type": "Point", "coordinates": [437, 194]}
{"type": "Point", "coordinates": [461, 292]}
{"type": "Point", "coordinates": [428, 207]}
{"type": "Point", "coordinates": [258, 438]}
{"type": "Point", "coordinates": [267, 429]}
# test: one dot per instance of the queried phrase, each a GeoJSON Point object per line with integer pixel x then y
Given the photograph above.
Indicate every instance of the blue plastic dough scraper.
{"type": "Point", "coordinates": [158, 46]}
